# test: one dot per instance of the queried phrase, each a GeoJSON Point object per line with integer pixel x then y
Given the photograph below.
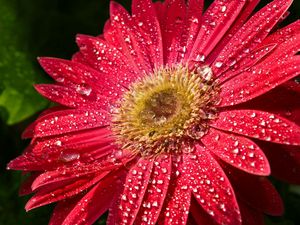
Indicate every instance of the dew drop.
{"type": "Point", "coordinates": [251, 154]}
{"type": "Point", "coordinates": [58, 143]}
{"type": "Point", "coordinates": [164, 170]}
{"type": "Point", "coordinates": [155, 204]}
{"type": "Point", "coordinates": [68, 157]}
{"type": "Point", "coordinates": [83, 89]}
{"type": "Point", "coordinates": [235, 151]}
{"type": "Point", "coordinates": [200, 58]}
{"type": "Point", "coordinates": [60, 79]}
{"type": "Point", "coordinates": [218, 64]}
{"type": "Point", "coordinates": [223, 8]}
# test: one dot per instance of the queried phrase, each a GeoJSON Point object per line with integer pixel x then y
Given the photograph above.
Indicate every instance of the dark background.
{"type": "Point", "coordinates": [31, 28]}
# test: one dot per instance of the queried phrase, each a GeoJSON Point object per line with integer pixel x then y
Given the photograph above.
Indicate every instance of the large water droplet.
{"type": "Point", "coordinates": [83, 89]}
{"type": "Point", "coordinates": [68, 157]}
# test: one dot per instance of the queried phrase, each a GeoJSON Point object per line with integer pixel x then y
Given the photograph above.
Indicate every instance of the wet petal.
{"type": "Point", "coordinates": [62, 190]}
{"type": "Point", "coordinates": [86, 145]}
{"type": "Point", "coordinates": [200, 216]}
{"type": "Point", "coordinates": [62, 209]}
{"type": "Point", "coordinates": [125, 35]}
{"type": "Point", "coordinates": [146, 19]}
{"type": "Point", "coordinates": [65, 161]}
{"type": "Point", "coordinates": [171, 28]}
{"type": "Point", "coordinates": [258, 81]}
{"type": "Point", "coordinates": [211, 188]}
{"type": "Point", "coordinates": [238, 23]}
{"type": "Point", "coordinates": [238, 151]}
{"type": "Point", "coordinates": [283, 101]}
{"type": "Point", "coordinates": [254, 57]}
{"type": "Point", "coordinates": [156, 192]}
{"type": "Point", "coordinates": [251, 34]}
{"type": "Point", "coordinates": [216, 21]}
{"type": "Point", "coordinates": [126, 207]}
{"type": "Point", "coordinates": [191, 27]}
{"type": "Point", "coordinates": [96, 202]}
{"type": "Point", "coordinates": [285, 51]}
{"type": "Point", "coordinates": [177, 203]}
{"type": "Point", "coordinates": [78, 96]}
{"type": "Point", "coordinates": [256, 191]}
{"type": "Point", "coordinates": [29, 162]}
{"type": "Point", "coordinates": [61, 175]}
{"type": "Point", "coordinates": [87, 79]}
{"type": "Point", "coordinates": [71, 141]}
{"type": "Point", "coordinates": [64, 121]}
{"type": "Point", "coordinates": [108, 61]}
{"type": "Point", "coordinates": [260, 125]}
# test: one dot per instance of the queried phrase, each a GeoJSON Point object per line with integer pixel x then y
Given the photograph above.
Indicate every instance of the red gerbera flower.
{"type": "Point", "coordinates": [170, 117]}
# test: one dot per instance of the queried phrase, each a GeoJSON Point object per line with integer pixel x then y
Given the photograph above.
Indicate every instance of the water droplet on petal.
{"type": "Point", "coordinates": [84, 89]}
{"type": "Point", "coordinates": [68, 157]}
{"type": "Point", "coordinates": [223, 8]}
{"type": "Point", "coordinates": [218, 64]}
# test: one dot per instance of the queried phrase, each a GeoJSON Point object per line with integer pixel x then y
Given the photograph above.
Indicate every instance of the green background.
{"type": "Point", "coordinates": [32, 28]}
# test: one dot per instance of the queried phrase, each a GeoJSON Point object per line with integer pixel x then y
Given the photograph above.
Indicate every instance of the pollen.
{"type": "Point", "coordinates": [166, 111]}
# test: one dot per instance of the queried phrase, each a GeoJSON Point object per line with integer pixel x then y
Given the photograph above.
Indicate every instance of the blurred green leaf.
{"type": "Point", "coordinates": [295, 189]}
{"type": "Point", "coordinates": [18, 72]}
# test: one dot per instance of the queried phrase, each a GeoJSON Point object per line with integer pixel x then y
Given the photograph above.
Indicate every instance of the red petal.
{"type": "Point", "coordinates": [146, 19]}
{"type": "Point", "coordinates": [124, 34]}
{"type": "Point", "coordinates": [191, 220]}
{"type": "Point", "coordinates": [238, 23]}
{"type": "Point", "coordinates": [251, 216]}
{"type": "Point", "coordinates": [286, 49]}
{"type": "Point", "coordinates": [66, 160]}
{"type": "Point", "coordinates": [25, 188]}
{"type": "Point", "coordinates": [62, 175]}
{"type": "Point", "coordinates": [251, 34]}
{"type": "Point", "coordinates": [171, 28]}
{"type": "Point", "coordinates": [256, 191]}
{"type": "Point", "coordinates": [191, 27]}
{"type": "Point", "coordinates": [238, 151]}
{"type": "Point", "coordinates": [65, 121]}
{"type": "Point", "coordinates": [126, 207]}
{"type": "Point", "coordinates": [62, 190]}
{"type": "Point", "coordinates": [64, 150]}
{"type": "Point", "coordinates": [62, 209]}
{"type": "Point", "coordinates": [285, 162]}
{"type": "Point", "coordinates": [199, 215]}
{"type": "Point", "coordinates": [244, 65]}
{"type": "Point", "coordinates": [283, 34]}
{"type": "Point", "coordinates": [216, 21]}
{"type": "Point", "coordinates": [177, 203]}
{"type": "Point", "coordinates": [29, 162]}
{"type": "Point", "coordinates": [260, 125]}
{"type": "Point", "coordinates": [95, 202]}
{"type": "Point", "coordinates": [160, 8]}
{"type": "Point", "coordinates": [78, 141]}
{"type": "Point", "coordinates": [74, 97]}
{"type": "Point", "coordinates": [88, 79]}
{"type": "Point", "coordinates": [156, 192]}
{"type": "Point", "coordinates": [108, 60]}
{"type": "Point", "coordinates": [283, 101]}
{"type": "Point", "coordinates": [211, 187]}
{"type": "Point", "coordinates": [258, 81]}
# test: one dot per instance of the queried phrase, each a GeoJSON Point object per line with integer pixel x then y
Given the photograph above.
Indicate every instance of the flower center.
{"type": "Point", "coordinates": [166, 111]}
{"type": "Point", "coordinates": [161, 107]}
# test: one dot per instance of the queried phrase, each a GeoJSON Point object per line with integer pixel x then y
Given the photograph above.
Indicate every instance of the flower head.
{"type": "Point", "coordinates": [171, 116]}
